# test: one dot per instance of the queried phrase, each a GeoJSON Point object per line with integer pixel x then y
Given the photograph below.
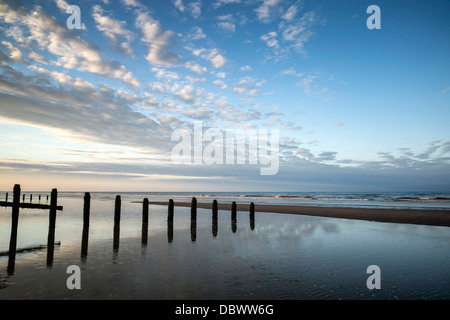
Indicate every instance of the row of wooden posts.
{"type": "Point", "coordinates": [53, 207]}
{"type": "Point", "coordinates": [16, 205]}
{"type": "Point", "coordinates": [23, 197]}
{"type": "Point", "coordinates": [170, 217]}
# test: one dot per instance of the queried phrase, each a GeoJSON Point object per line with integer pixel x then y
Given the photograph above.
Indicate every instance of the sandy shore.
{"type": "Point", "coordinates": [423, 217]}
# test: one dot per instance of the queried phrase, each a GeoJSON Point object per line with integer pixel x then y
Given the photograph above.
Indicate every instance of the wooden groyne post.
{"type": "Point", "coordinates": [144, 221]}
{"type": "Point", "coordinates": [215, 208]}
{"type": "Point", "coordinates": [51, 227]}
{"type": "Point", "coordinates": [170, 221]}
{"type": "Point", "coordinates": [14, 225]}
{"type": "Point", "coordinates": [233, 217]}
{"type": "Point", "coordinates": [117, 205]}
{"type": "Point", "coordinates": [252, 216]}
{"type": "Point", "coordinates": [86, 218]}
{"type": "Point", "coordinates": [194, 219]}
{"type": "Point", "coordinates": [16, 205]}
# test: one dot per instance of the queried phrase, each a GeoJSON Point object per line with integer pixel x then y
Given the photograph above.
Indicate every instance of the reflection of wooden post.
{"type": "Point", "coordinates": [116, 222]}
{"type": "Point", "coordinates": [194, 219]}
{"type": "Point", "coordinates": [214, 218]}
{"type": "Point", "coordinates": [144, 221]}
{"type": "Point", "coordinates": [14, 225]}
{"type": "Point", "coordinates": [233, 217]}
{"type": "Point", "coordinates": [252, 216]}
{"type": "Point", "coordinates": [51, 227]}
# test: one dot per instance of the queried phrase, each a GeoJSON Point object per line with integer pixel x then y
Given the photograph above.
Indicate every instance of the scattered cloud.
{"type": "Point", "coordinates": [160, 41]}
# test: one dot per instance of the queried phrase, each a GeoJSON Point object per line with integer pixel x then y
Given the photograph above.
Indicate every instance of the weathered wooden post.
{"type": "Point", "coordinates": [193, 207]}
{"type": "Point", "coordinates": [194, 219]}
{"type": "Point", "coordinates": [6, 198]}
{"type": "Point", "coordinates": [23, 198]}
{"type": "Point", "coordinates": [252, 216]}
{"type": "Point", "coordinates": [31, 197]}
{"type": "Point", "coordinates": [39, 198]}
{"type": "Point", "coordinates": [145, 221]}
{"type": "Point", "coordinates": [86, 209]}
{"type": "Point", "coordinates": [170, 221]}
{"type": "Point", "coordinates": [233, 217]}
{"type": "Point", "coordinates": [14, 225]}
{"type": "Point", "coordinates": [86, 218]}
{"type": "Point", "coordinates": [51, 227]}
{"type": "Point", "coordinates": [214, 218]}
{"type": "Point", "coordinates": [116, 222]}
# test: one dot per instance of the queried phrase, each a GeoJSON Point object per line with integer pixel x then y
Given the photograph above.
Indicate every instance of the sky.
{"type": "Point", "coordinates": [95, 107]}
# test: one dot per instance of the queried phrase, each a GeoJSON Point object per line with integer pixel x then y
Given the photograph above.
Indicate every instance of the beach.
{"type": "Point", "coordinates": [410, 216]}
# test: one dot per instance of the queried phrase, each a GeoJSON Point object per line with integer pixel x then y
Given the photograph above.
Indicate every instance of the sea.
{"type": "Point", "coordinates": [267, 256]}
{"type": "Point", "coordinates": [387, 200]}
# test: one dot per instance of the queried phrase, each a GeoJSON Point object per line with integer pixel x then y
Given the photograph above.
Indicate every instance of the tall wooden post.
{"type": "Point", "coordinates": [14, 225]}
{"type": "Point", "coordinates": [51, 227]}
{"type": "Point", "coordinates": [252, 216]}
{"type": "Point", "coordinates": [86, 218]}
{"type": "Point", "coordinates": [170, 221]}
{"type": "Point", "coordinates": [145, 221]}
{"type": "Point", "coordinates": [117, 222]}
{"type": "Point", "coordinates": [194, 219]}
{"type": "Point", "coordinates": [233, 217]}
{"type": "Point", "coordinates": [214, 218]}
{"type": "Point", "coordinates": [86, 209]}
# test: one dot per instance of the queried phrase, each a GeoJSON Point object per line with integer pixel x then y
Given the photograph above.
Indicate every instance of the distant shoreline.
{"type": "Point", "coordinates": [408, 216]}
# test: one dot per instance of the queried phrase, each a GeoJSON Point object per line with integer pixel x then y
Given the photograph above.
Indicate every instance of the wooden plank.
{"type": "Point", "coordinates": [30, 205]}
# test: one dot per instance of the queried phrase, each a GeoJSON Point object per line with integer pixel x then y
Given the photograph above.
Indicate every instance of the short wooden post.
{"type": "Point", "coordinates": [6, 198]}
{"type": "Point", "coordinates": [39, 198]}
{"type": "Point", "coordinates": [14, 225]}
{"type": "Point", "coordinates": [116, 222]}
{"type": "Point", "coordinates": [252, 216]}
{"type": "Point", "coordinates": [144, 221]}
{"type": "Point", "coordinates": [233, 217]}
{"type": "Point", "coordinates": [51, 227]}
{"type": "Point", "coordinates": [31, 197]}
{"type": "Point", "coordinates": [23, 198]}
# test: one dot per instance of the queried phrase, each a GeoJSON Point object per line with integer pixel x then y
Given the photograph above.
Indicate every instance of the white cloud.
{"type": "Point", "coordinates": [194, 8]}
{"type": "Point", "coordinates": [290, 13]}
{"type": "Point", "coordinates": [219, 3]}
{"type": "Point", "coordinates": [195, 68]}
{"type": "Point", "coordinates": [15, 54]}
{"type": "Point", "coordinates": [195, 34]}
{"type": "Point", "coordinates": [228, 26]}
{"type": "Point", "coordinates": [245, 68]}
{"type": "Point", "coordinates": [159, 40]}
{"type": "Point", "coordinates": [266, 10]}
{"type": "Point", "coordinates": [270, 39]}
{"type": "Point", "coordinates": [222, 85]}
{"type": "Point", "coordinates": [111, 27]}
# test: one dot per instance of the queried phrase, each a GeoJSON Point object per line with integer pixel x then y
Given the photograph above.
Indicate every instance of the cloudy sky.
{"type": "Point", "coordinates": [94, 109]}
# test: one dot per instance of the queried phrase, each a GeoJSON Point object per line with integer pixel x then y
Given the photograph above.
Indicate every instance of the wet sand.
{"type": "Point", "coordinates": [411, 216]}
